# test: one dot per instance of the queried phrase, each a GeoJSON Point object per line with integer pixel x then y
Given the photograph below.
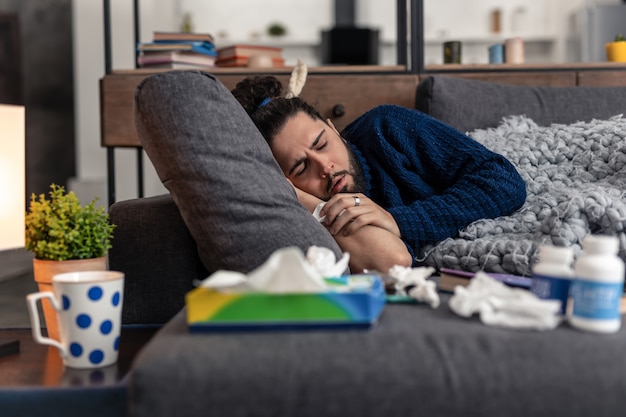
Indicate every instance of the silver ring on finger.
{"type": "Point", "coordinates": [357, 201]}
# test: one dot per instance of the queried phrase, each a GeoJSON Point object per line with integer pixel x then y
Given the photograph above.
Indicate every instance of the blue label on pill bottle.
{"type": "Point", "coordinates": [551, 288]}
{"type": "Point", "coordinates": [596, 300]}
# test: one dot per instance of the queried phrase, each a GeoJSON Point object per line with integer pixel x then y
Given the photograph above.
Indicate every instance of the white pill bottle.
{"type": "Point", "coordinates": [598, 286]}
{"type": "Point", "coordinates": [552, 274]}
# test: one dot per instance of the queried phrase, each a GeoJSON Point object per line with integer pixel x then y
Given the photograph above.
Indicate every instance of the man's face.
{"type": "Point", "coordinates": [315, 158]}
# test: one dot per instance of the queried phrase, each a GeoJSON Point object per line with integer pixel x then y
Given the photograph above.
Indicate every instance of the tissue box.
{"type": "Point", "coordinates": [351, 301]}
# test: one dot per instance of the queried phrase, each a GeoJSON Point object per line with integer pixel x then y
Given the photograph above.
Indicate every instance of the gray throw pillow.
{"type": "Point", "coordinates": [471, 104]}
{"type": "Point", "coordinates": [232, 195]}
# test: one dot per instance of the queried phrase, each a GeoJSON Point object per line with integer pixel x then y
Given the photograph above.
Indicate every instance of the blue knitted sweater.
{"type": "Point", "coordinates": [433, 179]}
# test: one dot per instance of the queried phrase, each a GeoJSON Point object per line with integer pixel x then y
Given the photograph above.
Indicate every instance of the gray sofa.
{"type": "Point", "coordinates": [414, 361]}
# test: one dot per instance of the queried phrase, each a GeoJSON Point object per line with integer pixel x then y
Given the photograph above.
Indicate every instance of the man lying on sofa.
{"type": "Point", "coordinates": [394, 180]}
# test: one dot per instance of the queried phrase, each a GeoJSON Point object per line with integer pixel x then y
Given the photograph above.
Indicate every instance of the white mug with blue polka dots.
{"type": "Point", "coordinates": [89, 310]}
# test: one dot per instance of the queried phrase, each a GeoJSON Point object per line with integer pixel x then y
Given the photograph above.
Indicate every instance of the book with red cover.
{"type": "Point", "coordinates": [246, 51]}
{"type": "Point", "coordinates": [450, 278]}
{"type": "Point", "coordinates": [243, 62]}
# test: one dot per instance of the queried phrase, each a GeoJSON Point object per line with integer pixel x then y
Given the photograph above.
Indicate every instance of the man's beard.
{"type": "Point", "coordinates": [355, 171]}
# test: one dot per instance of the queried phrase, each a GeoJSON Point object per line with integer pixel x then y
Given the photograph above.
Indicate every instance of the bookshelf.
{"type": "Point", "coordinates": [409, 61]}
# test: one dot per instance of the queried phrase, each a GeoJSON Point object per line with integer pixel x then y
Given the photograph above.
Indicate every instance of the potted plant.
{"type": "Point", "coordinates": [276, 30]}
{"type": "Point", "coordinates": [616, 50]}
{"type": "Point", "coordinates": [64, 237]}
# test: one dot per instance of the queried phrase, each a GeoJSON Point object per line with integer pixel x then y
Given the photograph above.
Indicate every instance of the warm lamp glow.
{"type": "Point", "coordinates": [12, 176]}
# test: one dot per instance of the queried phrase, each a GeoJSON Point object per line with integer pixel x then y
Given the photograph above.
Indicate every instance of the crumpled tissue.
{"type": "Point", "coordinates": [500, 305]}
{"type": "Point", "coordinates": [285, 271]}
{"type": "Point", "coordinates": [414, 283]}
{"type": "Point", "coordinates": [316, 212]}
{"type": "Point", "coordinates": [325, 263]}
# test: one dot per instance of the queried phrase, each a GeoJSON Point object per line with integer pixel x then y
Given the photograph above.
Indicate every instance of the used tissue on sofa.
{"type": "Point", "coordinates": [500, 305]}
{"type": "Point", "coordinates": [287, 291]}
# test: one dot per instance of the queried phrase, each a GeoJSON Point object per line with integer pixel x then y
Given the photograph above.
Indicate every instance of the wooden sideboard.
{"type": "Point", "coordinates": [343, 93]}
{"type": "Point", "coordinates": [337, 97]}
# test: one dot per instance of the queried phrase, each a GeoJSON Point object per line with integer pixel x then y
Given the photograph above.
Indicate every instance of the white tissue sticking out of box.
{"type": "Point", "coordinates": [325, 262]}
{"type": "Point", "coordinates": [285, 271]}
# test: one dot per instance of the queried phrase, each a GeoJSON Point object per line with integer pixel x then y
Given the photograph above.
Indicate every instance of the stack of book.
{"type": "Point", "coordinates": [177, 50]}
{"type": "Point", "coordinates": [238, 55]}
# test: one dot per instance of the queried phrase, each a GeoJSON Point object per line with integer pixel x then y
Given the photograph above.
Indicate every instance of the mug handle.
{"type": "Point", "coordinates": [34, 319]}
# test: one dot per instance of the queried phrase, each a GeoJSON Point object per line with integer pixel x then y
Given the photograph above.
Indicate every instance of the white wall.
{"type": "Point", "coordinates": [443, 19]}
{"type": "Point", "coordinates": [236, 21]}
{"type": "Point", "coordinates": [89, 67]}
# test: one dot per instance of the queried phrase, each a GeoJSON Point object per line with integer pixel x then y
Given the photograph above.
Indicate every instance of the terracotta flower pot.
{"type": "Point", "coordinates": [616, 51]}
{"type": "Point", "coordinates": [44, 270]}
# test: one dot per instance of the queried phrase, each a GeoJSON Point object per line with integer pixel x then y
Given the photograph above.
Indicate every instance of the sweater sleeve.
{"type": "Point", "coordinates": [433, 179]}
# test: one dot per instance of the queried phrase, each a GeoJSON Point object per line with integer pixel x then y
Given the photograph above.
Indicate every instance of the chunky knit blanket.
{"type": "Point", "coordinates": [576, 184]}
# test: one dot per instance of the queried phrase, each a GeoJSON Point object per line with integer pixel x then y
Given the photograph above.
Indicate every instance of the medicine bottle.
{"type": "Point", "coordinates": [553, 274]}
{"type": "Point", "coordinates": [598, 285]}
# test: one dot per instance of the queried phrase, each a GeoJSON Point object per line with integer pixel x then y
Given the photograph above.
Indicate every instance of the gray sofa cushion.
{"type": "Point", "coordinates": [159, 271]}
{"type": "Point", "coordinates": [470, 104]}
{"type": "Point", "coordinates": [415, 362]}
{"type": "Point", "coordinates": [231, 193]}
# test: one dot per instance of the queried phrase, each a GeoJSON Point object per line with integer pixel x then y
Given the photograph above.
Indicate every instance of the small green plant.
{"type": "Point", "coordinates": [276, 29]}
{"type": "Point", "coordinates": [59, 228]}
{"type": "Point", "coordinates": [620, 38]}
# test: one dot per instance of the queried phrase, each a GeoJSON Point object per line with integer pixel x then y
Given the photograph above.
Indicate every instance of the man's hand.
{"type": "Point", "coordinates": [348, 212]}
{"type": "Point", "coordinates": [371, 247]}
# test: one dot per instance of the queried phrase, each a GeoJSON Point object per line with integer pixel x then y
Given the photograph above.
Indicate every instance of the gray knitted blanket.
{"type": "Point", "coordinates": [576, 184]}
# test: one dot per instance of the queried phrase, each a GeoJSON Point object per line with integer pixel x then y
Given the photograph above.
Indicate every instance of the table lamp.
{"type": "Point", "coordinates": [12, 176]}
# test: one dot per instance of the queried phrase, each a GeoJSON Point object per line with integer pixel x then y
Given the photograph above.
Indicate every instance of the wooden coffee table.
{"type": "Point", "coordinates": [35, 382]}
{"type": "Point", "coordinates": [39, 365]}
